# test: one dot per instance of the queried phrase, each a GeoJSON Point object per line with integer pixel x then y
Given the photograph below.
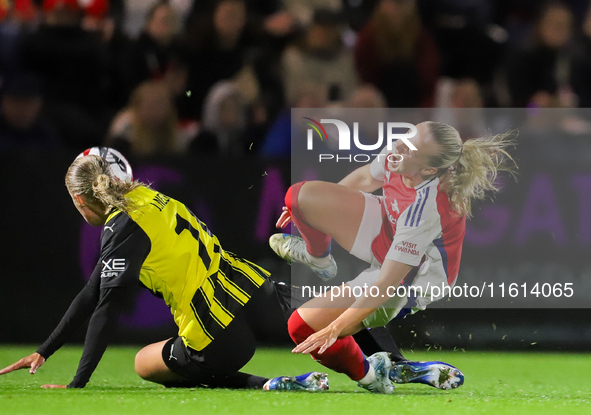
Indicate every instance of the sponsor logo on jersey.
{"type": "Point", "coordinates": [407, 248]}
{"type": "Point", "coordinates": [112, 267]}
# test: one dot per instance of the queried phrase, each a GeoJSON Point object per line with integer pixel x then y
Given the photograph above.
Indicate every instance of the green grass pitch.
{"type": "Point", "coordinates": [496, 383]}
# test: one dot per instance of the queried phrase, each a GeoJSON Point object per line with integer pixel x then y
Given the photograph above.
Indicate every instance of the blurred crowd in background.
{"type": "Point", "coordinates": [218, 77]}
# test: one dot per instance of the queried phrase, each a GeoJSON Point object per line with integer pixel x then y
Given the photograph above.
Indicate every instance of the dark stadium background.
{"type": "Point", "coordinates": [68, 82]}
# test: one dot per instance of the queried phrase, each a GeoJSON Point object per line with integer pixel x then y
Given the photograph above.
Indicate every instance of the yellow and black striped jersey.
{"type": "Point", "coordinates": [171, 252]}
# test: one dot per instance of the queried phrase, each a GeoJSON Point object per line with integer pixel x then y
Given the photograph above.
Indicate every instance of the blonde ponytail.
{"type": "Point", "coordinates": [468, 171]}
{"type": "Point", "coordinates": [91, 177]}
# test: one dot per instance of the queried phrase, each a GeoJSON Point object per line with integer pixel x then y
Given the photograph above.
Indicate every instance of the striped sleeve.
{"type": "Point", "coordinates": [416, 229]}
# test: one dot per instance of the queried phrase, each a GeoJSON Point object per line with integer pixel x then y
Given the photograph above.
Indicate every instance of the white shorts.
{"type": "Point", "coordinates": [371, 224]}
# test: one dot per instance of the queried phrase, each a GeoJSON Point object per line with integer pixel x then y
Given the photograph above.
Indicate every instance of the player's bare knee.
{"type": "Point", "coordinates": [307, 190]}
{"type": "Point", "coordinates": [142, 367]}
{"type": "Point", "coordinates": [308, 197]}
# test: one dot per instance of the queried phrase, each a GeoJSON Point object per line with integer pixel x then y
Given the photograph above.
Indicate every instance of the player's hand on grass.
{"type": "Point", "coordinates": [33, 362]}
{"type": "Point", "coordinates": [54, 386]}
{"type": "Point", "coordinates": [284, 219]}
{"type": "Point", "coordinates": [321, 340]}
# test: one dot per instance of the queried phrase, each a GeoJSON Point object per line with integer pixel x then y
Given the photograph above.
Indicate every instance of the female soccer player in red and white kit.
{"type": "Point", "coordinates": [411, 235]}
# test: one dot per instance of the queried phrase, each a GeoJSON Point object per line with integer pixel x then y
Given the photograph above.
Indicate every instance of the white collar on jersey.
{"type": "Point", "coordinates": [434, 181]}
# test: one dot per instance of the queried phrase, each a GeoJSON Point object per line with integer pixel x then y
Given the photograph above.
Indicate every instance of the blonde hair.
{"type": "Point", "coordinates": [467, 171]}
{"type": "Point", "coordinates": [91, 176]}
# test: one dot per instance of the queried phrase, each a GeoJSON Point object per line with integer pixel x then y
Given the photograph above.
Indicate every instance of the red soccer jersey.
{"type": "Point", "coordinates": [418, 224]}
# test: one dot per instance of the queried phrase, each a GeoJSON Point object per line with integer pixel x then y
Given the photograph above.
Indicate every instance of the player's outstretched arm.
{"type": "Point", "coordinates": [362, 179]}
{"type": "Point", "coordinates": [391, 275]}
{"type": "Point", "coordinates": [32, 362]}
{"type": "Point", "coordinates": [102, 325]}
{"type": "Point", "coordinates": [79, 311]}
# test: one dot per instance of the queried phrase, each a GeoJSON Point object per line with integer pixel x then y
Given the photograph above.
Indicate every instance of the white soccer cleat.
{"type": "Point", "coordinates": [313, 382]}
{"type": "Point", "coordinates": [440, 375]}
{"type": "Point", "coordinates": [293, 249]}
{"type": "Point", "coordinates": [381, 364]}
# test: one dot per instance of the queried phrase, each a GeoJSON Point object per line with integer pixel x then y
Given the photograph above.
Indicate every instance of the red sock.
{"type": "Point", "coordinates": [317, 243]}
{"type": "Point", "coordinates": [344, 356]}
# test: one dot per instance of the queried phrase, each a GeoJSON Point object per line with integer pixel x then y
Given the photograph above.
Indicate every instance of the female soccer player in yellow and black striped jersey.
{"type": "Point", "coordinates": [155, 241]}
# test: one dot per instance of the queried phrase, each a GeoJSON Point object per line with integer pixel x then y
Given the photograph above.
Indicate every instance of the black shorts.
{"type": "Point", "coordinates": [235, 346]}
{"type": "Point", "coordinates": [225, 355]}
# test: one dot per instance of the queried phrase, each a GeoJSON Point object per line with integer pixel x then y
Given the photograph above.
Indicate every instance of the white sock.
{"type": "Point", "coordinates": [369, 377]}
{"type": "Point", "coordinates": [319, 262]}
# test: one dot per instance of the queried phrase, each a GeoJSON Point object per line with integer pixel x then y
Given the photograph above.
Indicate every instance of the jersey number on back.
{"type": "Point", "coordinates": [181, 225]}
